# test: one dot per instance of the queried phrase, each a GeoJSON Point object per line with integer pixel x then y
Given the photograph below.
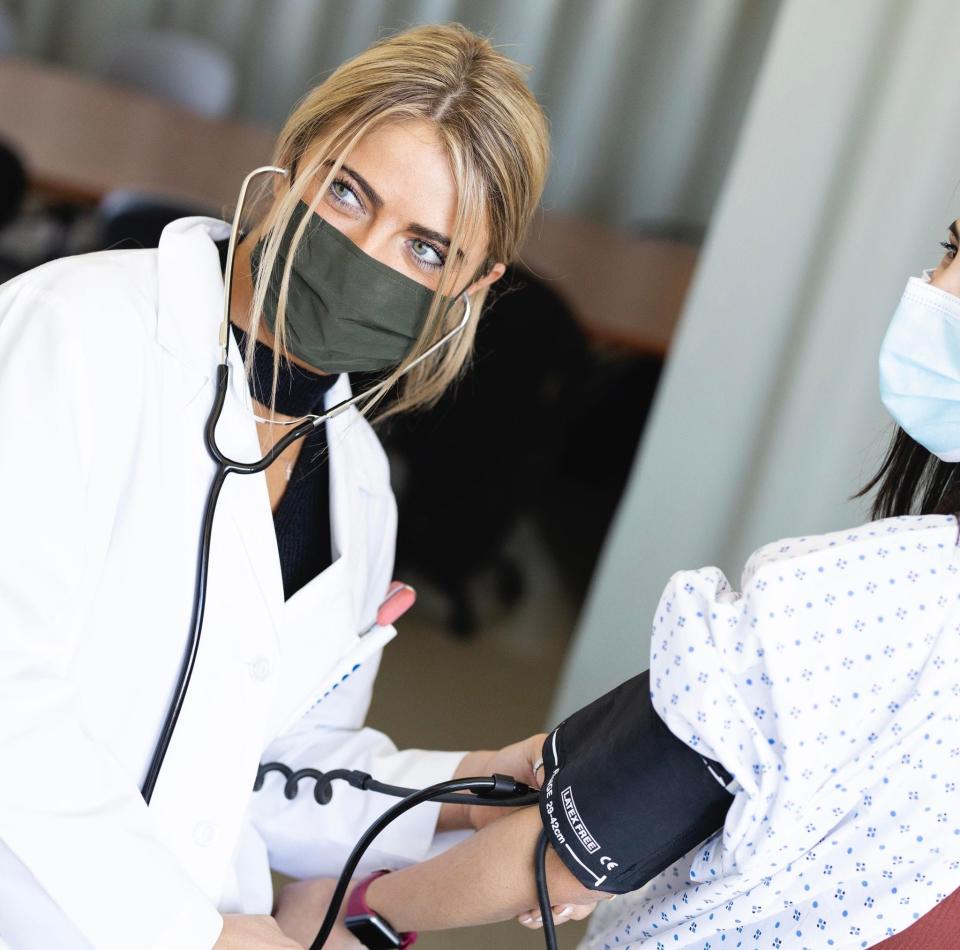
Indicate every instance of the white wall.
{"type": "Point", "coordinates": [768, 417]}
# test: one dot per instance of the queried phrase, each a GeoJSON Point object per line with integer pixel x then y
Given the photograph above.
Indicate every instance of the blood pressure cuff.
{"type": "Point", "coordinates": [623, 798]}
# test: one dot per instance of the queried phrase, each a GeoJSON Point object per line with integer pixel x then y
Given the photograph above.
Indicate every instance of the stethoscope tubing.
{"type": "Point", "coordinates": [193, 644]}
{"type": "Point", "coordinates": [227, 466]}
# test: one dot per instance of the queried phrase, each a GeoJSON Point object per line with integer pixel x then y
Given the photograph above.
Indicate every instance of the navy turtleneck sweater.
{"type": "Point", "coordinates": [302, 519]}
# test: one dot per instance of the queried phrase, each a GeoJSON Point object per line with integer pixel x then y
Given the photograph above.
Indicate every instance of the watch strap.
{"type": "Point", "coordinates": [357, 906]}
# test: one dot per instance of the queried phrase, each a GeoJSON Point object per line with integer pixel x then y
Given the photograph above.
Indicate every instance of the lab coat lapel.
{"type": "Point", "coordinates": [341, 502]}
{"type": "Point", "coordinates": [245, 497]}
{"type": "Point", "coordinates": [320, 622]}
{"type": "Point", "coordinates": [350, 470]}
{"type": "Point", "coordinates": [190, 292]}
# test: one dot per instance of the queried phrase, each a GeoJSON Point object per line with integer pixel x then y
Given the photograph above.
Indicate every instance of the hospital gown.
{"type": "Point", "coordinates": [830, 689]}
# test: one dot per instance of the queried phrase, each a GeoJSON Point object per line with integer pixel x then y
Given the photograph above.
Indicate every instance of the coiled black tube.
{"type": "Point", "coordinates": [505, 792]}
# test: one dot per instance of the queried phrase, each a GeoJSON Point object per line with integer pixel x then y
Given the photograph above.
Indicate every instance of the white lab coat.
{"type": "Point", "coordinates": [106, 365]}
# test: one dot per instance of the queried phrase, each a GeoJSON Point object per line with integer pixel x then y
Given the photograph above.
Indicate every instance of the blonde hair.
{"type": "Point", "coordinates": [495, 135]}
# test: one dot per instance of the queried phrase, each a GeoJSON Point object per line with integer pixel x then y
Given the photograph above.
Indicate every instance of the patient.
{"type": "Point", "coordinates": [788, 770]}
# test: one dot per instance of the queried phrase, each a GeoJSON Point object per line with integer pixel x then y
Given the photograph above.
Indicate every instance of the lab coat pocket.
{"type": "Point", "coordinates": [318, 630]}
{"type": "Point", "coordinates": [368, 647]}
{"type": "Point", "coordinates": [336, 678]}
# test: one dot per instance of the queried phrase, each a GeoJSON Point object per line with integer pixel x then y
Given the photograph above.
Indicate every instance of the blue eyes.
{"type": "Point", "coordinates": [422, 253]}
{"type": "Point", "coordinates": [426, 253]}
{"type": "Point", "coordinates": [344, 195]}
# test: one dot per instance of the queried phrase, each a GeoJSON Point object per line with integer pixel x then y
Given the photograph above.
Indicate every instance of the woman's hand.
{"type": "Point", "coordinates": [250, 932]}
{"type": "Point", "coordinates": [300, 910]}
{"type": "Point", "coordinates": [518, 760]}
{"type": "Point", "coordinates": [561, 914]}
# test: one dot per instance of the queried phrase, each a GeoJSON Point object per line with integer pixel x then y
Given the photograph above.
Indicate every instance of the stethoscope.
{"type": "Point", "coordinates": [501, 791]}
{"type": "Point", "coordinates": [227, 466]}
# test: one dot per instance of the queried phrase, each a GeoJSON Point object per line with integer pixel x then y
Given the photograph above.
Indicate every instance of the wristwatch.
{"type": "Point", "coordinates": [368, 926]}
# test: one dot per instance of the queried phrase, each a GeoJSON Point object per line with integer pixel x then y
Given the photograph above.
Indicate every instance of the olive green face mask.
{"type": "Point", "coordinates": [346, 312]}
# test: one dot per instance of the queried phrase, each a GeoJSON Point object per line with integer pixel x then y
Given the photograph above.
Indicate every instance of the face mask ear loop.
{"type": "Point", "coordinates": [231, 253]}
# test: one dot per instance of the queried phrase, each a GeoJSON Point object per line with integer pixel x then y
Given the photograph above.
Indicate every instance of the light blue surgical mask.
{"type": "Point", "coordinates": [920, 367]}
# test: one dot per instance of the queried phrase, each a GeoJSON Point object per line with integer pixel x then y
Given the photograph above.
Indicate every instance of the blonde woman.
{"type": "Point", "coordinates": [406, 181]}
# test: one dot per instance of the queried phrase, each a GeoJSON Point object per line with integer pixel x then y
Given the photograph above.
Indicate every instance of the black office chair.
{"type": "Point", "coordinates": [13, 183]}
{"type": "Point", "coordinates": [13, 189]}
{"type": "Point", "coordinates": [475, 463]}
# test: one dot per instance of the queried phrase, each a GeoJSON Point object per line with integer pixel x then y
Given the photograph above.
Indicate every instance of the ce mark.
{"type": "Point", "coordinates": [607, 864]}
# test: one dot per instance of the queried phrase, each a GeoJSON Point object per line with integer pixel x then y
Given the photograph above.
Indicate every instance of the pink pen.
{"type": "Point", "coordinates": [400, 598]}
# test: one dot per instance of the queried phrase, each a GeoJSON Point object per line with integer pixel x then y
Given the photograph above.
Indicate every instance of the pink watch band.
{"type": "Point", "coordinates": [357, 906]}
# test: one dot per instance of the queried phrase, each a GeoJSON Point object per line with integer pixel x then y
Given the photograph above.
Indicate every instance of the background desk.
{"type": "Point", "coordinates": [82, 138]}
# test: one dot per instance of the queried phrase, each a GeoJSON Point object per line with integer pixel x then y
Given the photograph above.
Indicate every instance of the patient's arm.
{"type": "Point", "coordinates": [486, 878]}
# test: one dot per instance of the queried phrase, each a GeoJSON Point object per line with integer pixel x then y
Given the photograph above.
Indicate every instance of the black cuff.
{"type": "Point", "coordinates": [623, 798]}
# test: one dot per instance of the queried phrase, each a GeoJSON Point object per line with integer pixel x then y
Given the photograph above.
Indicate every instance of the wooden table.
{"type": "Point", "coordinates": [81, 138]}
{"type": "Point", "coordinates": [625, 290]}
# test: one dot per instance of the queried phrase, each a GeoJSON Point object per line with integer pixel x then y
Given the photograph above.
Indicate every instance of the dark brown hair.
{"type": "Point", "coordinates": [913, 481]}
